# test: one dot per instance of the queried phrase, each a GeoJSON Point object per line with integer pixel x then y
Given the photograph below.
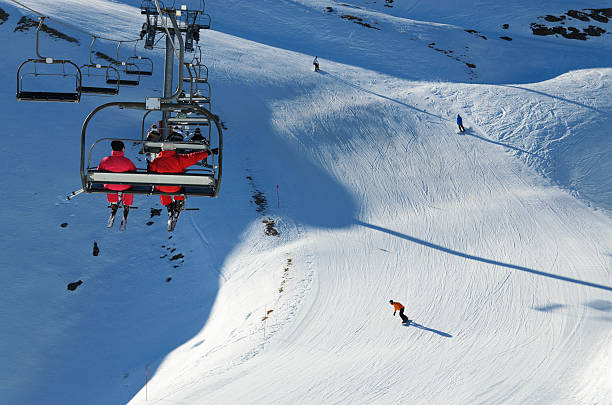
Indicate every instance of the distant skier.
{"type": "Point", "coordinates": [117, 163]}
{"type": "Point", "coordinates": [315, 62]}
{"type": "Point", "coordinates": [399, 307]}
{"type": "Point", "coordinates": [460, 123]}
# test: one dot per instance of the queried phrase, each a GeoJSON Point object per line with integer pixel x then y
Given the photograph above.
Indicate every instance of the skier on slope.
{"type": "Point", "coordinates": [117, 163]}
{"type": "Point", "coordinates": [315, 62]}
{"type": "Point", "coordinates": [168, 161]}
{"type": "Point", "coordinates": [399, 307]}
{"type": "Point", "coordinates": [460, 123]}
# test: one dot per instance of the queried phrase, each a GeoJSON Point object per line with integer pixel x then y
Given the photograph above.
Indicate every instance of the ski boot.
{"type": "Point", "coordinates": [111, 220]}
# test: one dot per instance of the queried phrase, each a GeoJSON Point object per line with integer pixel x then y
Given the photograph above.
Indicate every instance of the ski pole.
{"type": "Point", "coordinates": [74, 194]}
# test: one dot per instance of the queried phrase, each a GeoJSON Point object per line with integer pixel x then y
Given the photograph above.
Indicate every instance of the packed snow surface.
{"type": "Point", "coordinates": [497, 240]}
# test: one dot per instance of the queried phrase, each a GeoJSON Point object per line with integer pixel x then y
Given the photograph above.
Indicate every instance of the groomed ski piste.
{"type": "Point", "coordinates": [498, 240]}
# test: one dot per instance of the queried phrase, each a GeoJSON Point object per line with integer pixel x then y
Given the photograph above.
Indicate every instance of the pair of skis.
{"type": "Point", "coordinates": [173, 217]}
{"type": "Point", "coordinates": [111, 219]}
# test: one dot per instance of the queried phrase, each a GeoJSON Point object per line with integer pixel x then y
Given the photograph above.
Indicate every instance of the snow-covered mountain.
{"type": "Point", "coordinates": [498, 240]}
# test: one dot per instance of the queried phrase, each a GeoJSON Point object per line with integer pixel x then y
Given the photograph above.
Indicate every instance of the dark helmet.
{"type": "Point", "coordinates": [390, 301]}
{"type": "Point", "coordinates": [117, 145]}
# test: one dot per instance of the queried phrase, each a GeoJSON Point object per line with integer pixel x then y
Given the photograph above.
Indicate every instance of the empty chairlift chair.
{"type": "Point", "coordinates": [48, 79]}
{"type": "Point", "coordinates": [97, 77]}
{"type": "Point", "coordinates": [139, 65]}
{"type": "Point", "coordinates": [123, 68]}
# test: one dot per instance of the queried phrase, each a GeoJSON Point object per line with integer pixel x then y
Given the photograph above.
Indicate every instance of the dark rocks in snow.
{"type": "Point", "coordinates": [168, 279]}
{"type": "Point", "coordinates": [260, 200]}
{"type": "Point", "coordinates": [579, 15]}
{"type": "Point", "coordinates": [270, 229]}
{"type": "Point", "coordinates": [73, 286]}
{"type": "Point", "coordinates": [594, 31]}
{"type": "Point", "coordinates": [506, 26]}
{"type": "Point", "coordinates": [96, 249]}
{"type": "Point", "coordinates": [155, 212]}
{"type": "Point", "coordinates": [601, 15]}
{"type": "Point", "coordinates": [357, 20]}
{"type": "Point", "coordinates": [506, 38]}
{"type": "Point", "coordinates": [552, 18]}
{"type": "Point", "coordinates": [25, 23]}
{"type": "Point", "coordinates": [150, 223]}
{"type": "Point", "coordinates": [470, 65]}
{"type": "Point", "coordinates": [177, 256]}
{"type": "Point", "coordinates": [64, 224]}
{"type": "Point", "coordinates": [474, 32]}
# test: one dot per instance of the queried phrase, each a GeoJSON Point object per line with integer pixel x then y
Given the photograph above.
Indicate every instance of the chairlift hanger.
{"type": "Point", "coordinates": [75, 72]}
{"type": "Point", "coordinates": [204, 181]}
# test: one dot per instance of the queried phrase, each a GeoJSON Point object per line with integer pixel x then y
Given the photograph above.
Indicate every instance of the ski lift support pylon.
{"type": "Point", "coordinates": [23, 95]}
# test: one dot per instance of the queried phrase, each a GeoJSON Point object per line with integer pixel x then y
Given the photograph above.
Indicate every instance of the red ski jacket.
{"type": "Point", "coordinates": [168, 161]}
{"type": "Point", "coordinates": [117, 163]}
{"type": "Point", "coordinates": [397, 306]}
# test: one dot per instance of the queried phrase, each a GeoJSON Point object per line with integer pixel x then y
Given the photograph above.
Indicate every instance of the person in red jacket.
{"type": "Point", "coordinates": [399, 307]}
{"type": "Point", "coordinates": [117, 163]}
{"type": "Point", "coordinates": [168, 161]}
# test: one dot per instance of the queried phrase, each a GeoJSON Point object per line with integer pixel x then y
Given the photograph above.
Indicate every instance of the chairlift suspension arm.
{"type": "Point", "coordinates": [37, 36]}
{"type": "Point", "coordinates": [91, 51]}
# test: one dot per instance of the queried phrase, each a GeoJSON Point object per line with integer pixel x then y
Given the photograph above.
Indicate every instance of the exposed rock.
{"type": "Point", "coordinates": [177, 256]}
{"type": "Point", "coordinates": [579, 15]}
{"type": "Point", "coordinates": [552, 18]}
{"type": "Point", "coordinates": [73, 286]}
{"type": "Point", "coordinates": [96, 250]}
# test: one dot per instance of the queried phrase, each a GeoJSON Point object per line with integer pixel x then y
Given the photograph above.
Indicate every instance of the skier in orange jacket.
{"type": "Point", "coordinates": [399, 307]}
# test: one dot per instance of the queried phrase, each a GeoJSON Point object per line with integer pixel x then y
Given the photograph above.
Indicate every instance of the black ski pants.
{"type": "Point", "coordinates": [404, 317]}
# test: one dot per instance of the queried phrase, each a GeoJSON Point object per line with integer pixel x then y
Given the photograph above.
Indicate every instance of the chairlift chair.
{"type": "Point", "coordinates": [33, 68]}
{"type": "Point", "coordinates": [196, 181]}
{"type": "Point", "coordinates": [124, 67]}
{"type": "Point", "coordinates": [108, 72]}
{"type": "Point", "coordinates": [139, 65]}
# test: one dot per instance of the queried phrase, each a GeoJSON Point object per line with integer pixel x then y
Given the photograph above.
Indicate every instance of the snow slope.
{"type": "Point", "coordinates": [498, 241]}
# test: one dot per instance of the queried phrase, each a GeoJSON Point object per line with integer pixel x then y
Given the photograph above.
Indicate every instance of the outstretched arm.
{"type": "Point", "coordinates": [192, 158]}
